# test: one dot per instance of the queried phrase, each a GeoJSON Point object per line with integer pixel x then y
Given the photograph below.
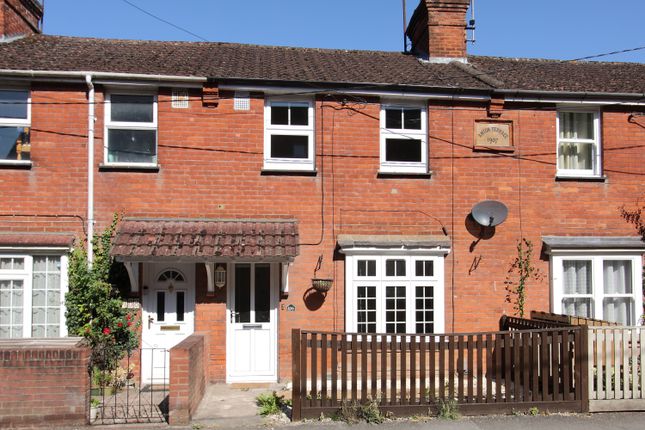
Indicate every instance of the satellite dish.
{"type": "Point", "coordinates": [489, 213]}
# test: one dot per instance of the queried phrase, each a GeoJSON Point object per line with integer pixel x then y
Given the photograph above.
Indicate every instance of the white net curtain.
{"type": "Point", "coordinates": [575, 151]}
{"type": "Point", "coordinates": [615, 290]}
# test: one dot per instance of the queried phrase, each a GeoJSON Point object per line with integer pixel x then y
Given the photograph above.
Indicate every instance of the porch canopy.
{"type": "Point", "coordinates": [203, 240]}
{"type": "Point", "coordinates": [199, 240]}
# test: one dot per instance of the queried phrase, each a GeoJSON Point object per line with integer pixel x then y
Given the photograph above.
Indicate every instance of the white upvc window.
{"type": "Point", "coordinates": [32, 294]}
{"type": "Point", "coordinates": [394, 293]}
{"type": "Point", "coordinates": [404, 142]}
{"type": "Point", "coordinates": [579, 152]}
{"type": "Point", "coordinates": [15, 122]}
{"type": "Point", "coordinates": [289, 134]}
{"type": "Point", "coordinates": [130, 129]}
{"type": "Point", "coordinates": [607, 287]}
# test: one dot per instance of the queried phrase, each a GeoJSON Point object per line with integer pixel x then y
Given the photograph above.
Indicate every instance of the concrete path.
{"type": "Point", "coordinates": [225, 406]}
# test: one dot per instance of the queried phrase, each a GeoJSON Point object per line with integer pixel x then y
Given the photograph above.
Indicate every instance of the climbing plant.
{"type": "Point", "coordinates": [519, 274]}
{"type": "Point", "coordinates": [635, 218]}
{"type": "Point", "coordinates": [94, 307]}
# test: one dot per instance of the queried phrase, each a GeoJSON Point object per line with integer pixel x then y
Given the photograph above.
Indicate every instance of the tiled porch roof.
{"type": "Point", "coordinates": [203, 240]}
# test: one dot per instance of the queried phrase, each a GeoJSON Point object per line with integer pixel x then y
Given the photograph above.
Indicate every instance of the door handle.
{"type": "Point", "coordinates": [234, 316]}
{"type": "Point", "coordinates": [150, 321]}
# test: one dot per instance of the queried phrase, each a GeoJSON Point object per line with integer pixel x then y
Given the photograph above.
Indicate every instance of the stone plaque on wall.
{"type": "Point", "coordinates": [493, 135]}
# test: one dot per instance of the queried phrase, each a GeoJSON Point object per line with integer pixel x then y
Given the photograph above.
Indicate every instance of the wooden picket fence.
{"type": "Point", "coordinates": [616, 376]}
{"type": "Point", "coordinates": [492, 372]}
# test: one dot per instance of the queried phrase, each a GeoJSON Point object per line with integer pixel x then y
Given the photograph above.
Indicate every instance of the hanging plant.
{"type": "Point", "coordinates": [322, 285]}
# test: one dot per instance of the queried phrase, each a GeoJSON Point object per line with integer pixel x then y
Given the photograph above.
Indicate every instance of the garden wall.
{"type": "Point", "coordinates": [43, 382]}
{"type": "Point", "coordinates": [187, 378]}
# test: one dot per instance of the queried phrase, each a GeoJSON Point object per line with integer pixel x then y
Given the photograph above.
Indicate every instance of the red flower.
{"type": "Point", "coordinates": [119, 324]}
{"type": "Point", "coordinates": [106, 330]}
{"type": "Point", "coordinates": [127, 317]}
{"type": "Point", "coordinates": [129, 323]}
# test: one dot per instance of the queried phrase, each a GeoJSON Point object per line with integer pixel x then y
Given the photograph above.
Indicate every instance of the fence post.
{"type": "Point", "coordinates": [584, 367]}
{"type": "Point", "coordinates": [295, 375]}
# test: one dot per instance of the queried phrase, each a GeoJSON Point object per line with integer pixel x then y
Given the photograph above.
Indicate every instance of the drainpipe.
{"type": "Point", "coordinates": [90, 167]}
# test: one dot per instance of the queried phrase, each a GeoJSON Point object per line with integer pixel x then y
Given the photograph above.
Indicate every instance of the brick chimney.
{"type": "Point", "coordinates": [437, 29]}
{"type": "Point", "coordinates": [20, 17]}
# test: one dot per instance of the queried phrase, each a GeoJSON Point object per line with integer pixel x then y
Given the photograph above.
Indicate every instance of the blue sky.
{"type": "Point", "coordinates": [562, 29]}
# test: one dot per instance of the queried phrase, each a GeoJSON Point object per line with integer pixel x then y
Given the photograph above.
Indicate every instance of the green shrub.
{"type": "Point", "coordinates": [354, 412]}
{"type": "Point", "coordinates": [447, 409]}
{"type": "Point", "coordinates": [270, 404]}
{"type": "Point", "coordinates": [94, 308]}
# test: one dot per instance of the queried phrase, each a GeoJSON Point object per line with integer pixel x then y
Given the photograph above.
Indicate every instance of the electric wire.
{"type": "Point", "coordinates": [164, 20]}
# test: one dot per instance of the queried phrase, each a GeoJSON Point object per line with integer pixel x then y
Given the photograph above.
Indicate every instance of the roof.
{"type": "Point", "coordinates": [552, 243]}
{"type": "Point", "coordinates": [204, 240]}
{"type": "Point", "coordinates": [231, 61]}
{"type": "Point", "coordinates": [347, 241]}
{"type": "Point", "coordinates": [32, 239]}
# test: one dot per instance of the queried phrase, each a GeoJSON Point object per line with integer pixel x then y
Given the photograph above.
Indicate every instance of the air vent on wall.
{"type": "Point", "coordinates": [179, 99]}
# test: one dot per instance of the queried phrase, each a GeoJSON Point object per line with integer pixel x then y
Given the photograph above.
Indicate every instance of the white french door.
{"type": "Point", "coordinates": [252, 322]}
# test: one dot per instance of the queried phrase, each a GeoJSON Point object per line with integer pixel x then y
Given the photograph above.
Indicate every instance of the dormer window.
{"type": "Point", "coordinates": [404, 146]}
{"type": "Point", "coordinates": [289, 135]}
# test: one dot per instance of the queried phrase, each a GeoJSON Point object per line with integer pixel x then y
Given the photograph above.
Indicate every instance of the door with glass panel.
{"type": "Point", "coordinates": [597, 287]}
{"type": "Point", "coordinates": [252, 328]}
{"type": "Point", "coordinates": [167, 318]}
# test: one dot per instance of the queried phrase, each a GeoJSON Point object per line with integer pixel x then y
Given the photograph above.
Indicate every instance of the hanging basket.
{"type": "Point", "coordinates": [322, 285]}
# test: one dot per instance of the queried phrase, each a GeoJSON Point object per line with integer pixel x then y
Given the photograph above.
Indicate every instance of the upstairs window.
{"type": "Point", "coordinates": [579, 151]}
{"type": "Point", "coordinates": [404, 146]}
{"type": "Point", "coordinates": [15, 145]}
{"type": "Point", "coordinates": [131, 129]}
{"type": "Point", "coordinates": [289, 135]}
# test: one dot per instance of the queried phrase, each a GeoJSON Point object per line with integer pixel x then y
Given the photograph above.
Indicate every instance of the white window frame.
{"type": "Point", "coordinates": [123, 125]}
{"type": "Point", "coordinates": [26, 275]}
{"type": "Point", "coordinates": [380, 281]}
{"type": "Point", "coordinates": [17, 122]}
{"type": "Point", "coordinates": [596, 168]}
{"type": "Point", "coordinates": [420, 167]}
{"type": "Point", "coordinates": [299, 164]}
{"type": "Point", "coordinates": [597, 258]}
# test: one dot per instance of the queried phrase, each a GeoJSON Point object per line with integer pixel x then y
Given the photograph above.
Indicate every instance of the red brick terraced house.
{"type": "Point", "coordinates": [267, 188]}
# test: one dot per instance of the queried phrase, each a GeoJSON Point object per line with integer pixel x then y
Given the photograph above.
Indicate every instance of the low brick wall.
{"type": "Point", "coordinates": [187, 378]}
{"type": "Point", "coordinates": [43, 382]}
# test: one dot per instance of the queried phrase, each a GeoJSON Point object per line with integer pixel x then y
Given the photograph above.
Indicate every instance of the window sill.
{"type": "Point", "coordinates": [287, 172]}
{"type": "Point", "coordinates": [128, 168]}
{"type": "Point", "coordinates": [404, 175]}
{"type": "Point", "coordinates": [581, 179]}
{"type": "Point", "coordinates": [15, 164]}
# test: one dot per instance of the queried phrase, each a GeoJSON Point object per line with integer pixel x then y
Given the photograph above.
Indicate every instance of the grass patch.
{"type": "Point", "coordinates": [271, 403]}
{"type": "Point", "coordinates": [447, 409]}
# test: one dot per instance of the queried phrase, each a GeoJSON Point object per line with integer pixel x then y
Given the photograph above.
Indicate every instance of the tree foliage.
{"type": "Point", "coordinates": [94, 309]}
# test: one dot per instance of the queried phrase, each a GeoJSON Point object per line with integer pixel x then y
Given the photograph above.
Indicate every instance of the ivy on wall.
{"type": "Point", "coordinates": [519, 274]}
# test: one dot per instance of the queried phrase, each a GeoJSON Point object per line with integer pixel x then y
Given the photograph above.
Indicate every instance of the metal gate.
{"type": "Point", "coordinates": [119, 397]}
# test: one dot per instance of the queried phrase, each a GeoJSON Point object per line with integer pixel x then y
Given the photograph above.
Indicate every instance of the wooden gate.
{"type": "Point", "coordinates": [616, 376]}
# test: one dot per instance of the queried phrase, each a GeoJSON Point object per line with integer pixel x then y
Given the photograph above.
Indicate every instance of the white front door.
{"type": "Point", "coordinates": [167, 317]}
{"type": "Point", "coordinates": [252, 323]}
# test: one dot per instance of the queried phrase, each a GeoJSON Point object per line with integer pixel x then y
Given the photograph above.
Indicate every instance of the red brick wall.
{"type": "Point", "coordinates": [43, 384]}
{"type": "Point", "coordinates": [19, 17]}
{"type": "Point", "coordinates": [211, 161]}
{"type": "Point", "coordinates": [187, 378]}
